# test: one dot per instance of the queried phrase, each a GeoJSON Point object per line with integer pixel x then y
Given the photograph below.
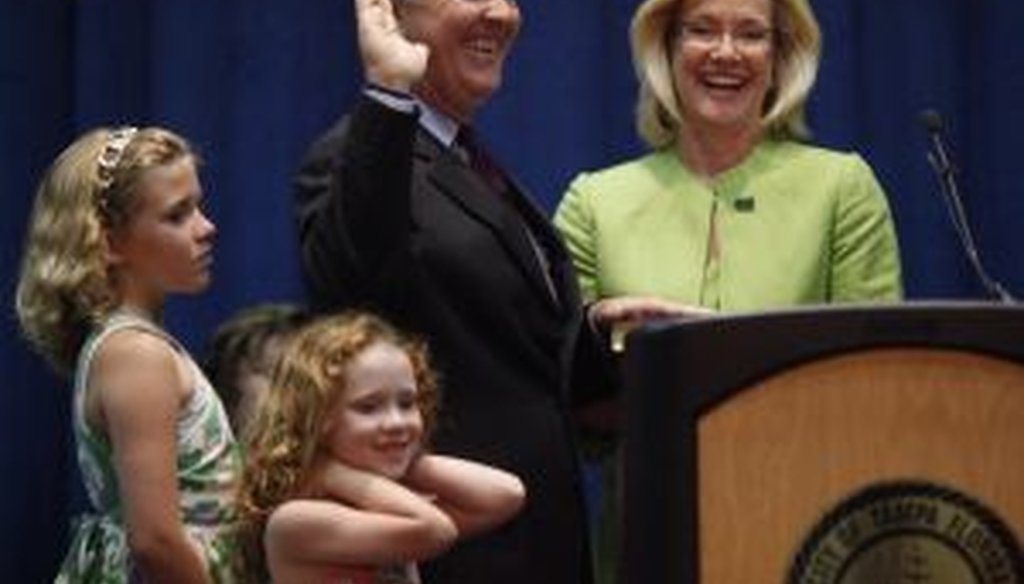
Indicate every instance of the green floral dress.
{"type": "Point", "coordinates": [208, 468]}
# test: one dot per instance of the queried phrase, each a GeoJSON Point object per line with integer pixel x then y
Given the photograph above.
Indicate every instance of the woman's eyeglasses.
{"type": "Point", "coordinates": [706, 35]}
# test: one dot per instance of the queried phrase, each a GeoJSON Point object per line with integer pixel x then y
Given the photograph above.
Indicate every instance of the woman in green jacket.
{"type": "Point", "coordinates": [731, 210]}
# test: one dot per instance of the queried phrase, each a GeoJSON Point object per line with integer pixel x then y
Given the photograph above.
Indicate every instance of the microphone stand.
{"type": "Point", "coordinates": [945, 172]}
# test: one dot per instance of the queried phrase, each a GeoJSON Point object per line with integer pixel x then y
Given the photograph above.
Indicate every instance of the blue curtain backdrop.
{"type": "Point", "coordinates": [252, 82]}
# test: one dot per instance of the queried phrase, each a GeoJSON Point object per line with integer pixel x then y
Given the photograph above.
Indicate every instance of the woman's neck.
{"type": "Point", "coordinates": [710, 152]}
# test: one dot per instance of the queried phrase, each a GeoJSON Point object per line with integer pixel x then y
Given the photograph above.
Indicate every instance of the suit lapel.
{"type": "Point", "coordinates": [455, 180]}
{"type": "Point", "coordinates": [563, 277]}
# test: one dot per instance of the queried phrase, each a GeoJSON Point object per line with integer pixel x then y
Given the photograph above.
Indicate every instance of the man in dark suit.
{"type": "Point", "coordinates": [400, 215]}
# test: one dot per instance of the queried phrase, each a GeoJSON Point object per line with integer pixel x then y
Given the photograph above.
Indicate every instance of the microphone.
{"type": "Point", "coordinates": [945, 172]}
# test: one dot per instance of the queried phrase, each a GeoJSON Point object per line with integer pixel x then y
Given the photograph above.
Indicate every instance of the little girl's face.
{"type": "Point", "coordinates": [376, 424]}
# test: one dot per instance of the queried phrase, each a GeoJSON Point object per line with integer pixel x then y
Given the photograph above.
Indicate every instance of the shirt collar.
{"type": "Point", "coordinates": [440, 126]}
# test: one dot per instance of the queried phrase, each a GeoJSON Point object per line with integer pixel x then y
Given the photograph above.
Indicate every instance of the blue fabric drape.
{"type": "Point", "coordinates": [252, 83]}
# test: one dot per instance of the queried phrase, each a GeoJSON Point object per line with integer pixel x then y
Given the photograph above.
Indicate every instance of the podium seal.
{"type": "Point", "coordinates": [909, 532]}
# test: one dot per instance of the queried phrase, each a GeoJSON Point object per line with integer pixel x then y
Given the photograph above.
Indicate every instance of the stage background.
{"type": "Point", "coordinates": [252, 83]}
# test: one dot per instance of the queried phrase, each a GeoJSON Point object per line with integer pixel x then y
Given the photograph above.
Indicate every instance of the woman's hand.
{"type": "Point", "coordinates": [620, 314]}
{"type": "Point", "coordinates": [390, 59]}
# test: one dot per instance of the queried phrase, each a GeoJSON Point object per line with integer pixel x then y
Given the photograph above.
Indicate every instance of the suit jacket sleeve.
{"type": "Point", "coordinates": [353, 204]}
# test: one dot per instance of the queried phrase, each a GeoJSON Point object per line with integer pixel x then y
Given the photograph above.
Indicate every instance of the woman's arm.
{"type": "Point", "coordinates": [477, 497]}
{"type": "Point", "coordinates": [575, 222]}
{"type": "Point", "coordinates": [865, 249]}
{"type": "Point", "coordinates": [138, 390]}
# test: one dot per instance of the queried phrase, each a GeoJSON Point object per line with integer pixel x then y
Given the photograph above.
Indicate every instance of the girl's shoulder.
{"type": "Point", "coordinates": [132, 351]}
{"type": "Point", "coordinates": [128, 334]}
{"type": "Point", "coordinates": [134, 347]}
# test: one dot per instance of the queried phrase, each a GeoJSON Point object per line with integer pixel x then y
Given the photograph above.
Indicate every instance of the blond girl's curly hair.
{"type": "Point", "coordinates": [65, 284]}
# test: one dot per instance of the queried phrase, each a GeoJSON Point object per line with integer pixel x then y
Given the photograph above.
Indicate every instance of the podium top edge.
{"type": "Point", "coordinates": [920, 308]}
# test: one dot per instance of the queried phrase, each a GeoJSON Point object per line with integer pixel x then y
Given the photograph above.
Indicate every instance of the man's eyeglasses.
{"type": "Point", "coordinates": [705, 35]}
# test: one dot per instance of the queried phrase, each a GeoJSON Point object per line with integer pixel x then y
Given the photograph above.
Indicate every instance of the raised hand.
{"type": "Point", "coordinates": [389, 58]}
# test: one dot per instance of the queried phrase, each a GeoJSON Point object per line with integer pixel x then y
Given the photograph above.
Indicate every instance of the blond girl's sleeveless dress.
{"type": "Point", "coordinates": [208, 468]}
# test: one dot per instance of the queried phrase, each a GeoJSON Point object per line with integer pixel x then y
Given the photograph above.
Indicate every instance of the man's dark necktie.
{"type": "Point", "coordinates": [480, 161]}
{"type": "Point", "coordinates": [477, 158]}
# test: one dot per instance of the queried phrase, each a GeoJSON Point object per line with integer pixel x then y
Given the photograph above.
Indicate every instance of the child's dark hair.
{"type": "Point", "coordinates": [241, 342]}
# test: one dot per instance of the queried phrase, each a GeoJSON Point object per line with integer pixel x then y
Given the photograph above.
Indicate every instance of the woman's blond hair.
{"type": "Point", "coordinates": [65, 283]}
{"type": "Point", "coordinates": [797, 43]}
{"type": "Point", "coordinates": [282, 439]}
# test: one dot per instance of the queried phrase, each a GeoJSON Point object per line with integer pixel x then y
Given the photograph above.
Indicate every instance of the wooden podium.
{"type": "Point", "coordinates": [826, 445]}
